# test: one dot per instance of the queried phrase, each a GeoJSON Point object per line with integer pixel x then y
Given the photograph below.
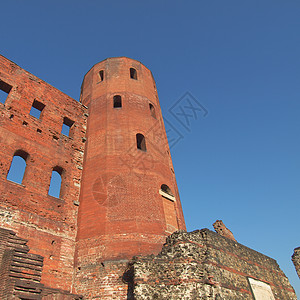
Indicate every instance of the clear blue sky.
{"type": "Point", "coordinates": [239, 59]}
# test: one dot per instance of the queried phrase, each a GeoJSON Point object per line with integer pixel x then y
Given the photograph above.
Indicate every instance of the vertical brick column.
{"type": "Point", "coordinates": [127, 179]}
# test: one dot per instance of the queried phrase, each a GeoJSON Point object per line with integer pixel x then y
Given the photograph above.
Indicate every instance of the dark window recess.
{"type": "Point", "coordinates": [166, 189]}
{"type": "Point", "coordinates": [141, 142]}
{"type": "Point", "coordinates": [55, 183]}
{"type": "Point", "coordinates": [66, 127]}
{"type": "Point", "coordinates": [152, 110]}
{"type": "Point", "coordinates": [133, 73]}
{"type": "Point", "coordinates": [17, 167]}
{"type": "Point", "coordinates": [117, 101]}
{"type": "Point", "coordinates": [36, 109]}
{"type": "Point", "coordinates": [4, 91]}
{"type": "Point", "coordinates": [101, 75]}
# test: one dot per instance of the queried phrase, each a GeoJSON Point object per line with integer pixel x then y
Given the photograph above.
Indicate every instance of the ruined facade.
{"type": "Point", "coordinates": [204, 265]}
{"type": "Point", "coordinates": [116, 198]}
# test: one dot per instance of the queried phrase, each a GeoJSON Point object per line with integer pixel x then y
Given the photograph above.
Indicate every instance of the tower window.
{"type": "Point", "coordinates": [4, 91]}
{"type": "Point", "coordinates": [117, 101]}
{"type": "Point", "coordinates": [36, 109]}
{"type": "Point", "coordinates": [101, 75]}
{"type": "Point", "coordinates": [67, 124]}
{"type": "Point", "coordinates": [166, 192]}
{"type": "Point", "coordinates": [17, 167]}
{"type": "Point", "coordinates": [55, 183]}
{"type": "Point", "coordinates": [152, 110]}
{"type": "Point", "coordinates": [141, 142]}
{"type": "Point", "coordinates": [133, 73]}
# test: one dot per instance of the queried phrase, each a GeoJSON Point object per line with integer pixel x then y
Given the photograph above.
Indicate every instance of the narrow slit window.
{"type": "Point", "coordinates": [55, 183]}
{"type": "Point", "coordinates": [36, 109]}
{"type": "Point", "coordinates": [66, 127]}
{"type": "Point", "coordinates": [117, 101]}
{"type": "Point", "coordinates": [152, 110]}
{"type": "Point", "coordinates": [17, 167]}
{"type": "Point", "coordinates": [101, 75]}
{"type": "Point", "coordinates": [4, 91]}
{"type": "Point", "coordinates": [141, 142]}
{"type": "Point", "coordinates": [133, 73]}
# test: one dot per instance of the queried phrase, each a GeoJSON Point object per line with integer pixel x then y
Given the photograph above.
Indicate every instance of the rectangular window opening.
{"type": "Point", "coordinates": [101, 75]}
{"type": "Point", "coordinates": [36, 109]}
{"type": "Point", "coordinates": [117, 101]}
{"type": "Point", "coordinates": [5, 88]}
{"type": "Point", "coordinates": [66, 127]}
{"type": "Point", "coordinates": [133, 73]}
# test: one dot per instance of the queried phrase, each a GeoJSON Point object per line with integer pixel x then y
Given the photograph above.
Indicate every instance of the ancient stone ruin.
{"type": "Point", "coordinates": [112, 226]}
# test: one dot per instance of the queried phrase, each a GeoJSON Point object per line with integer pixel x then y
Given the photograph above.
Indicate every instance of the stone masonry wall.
{"type": "Point", "coordinates": [204, 265]}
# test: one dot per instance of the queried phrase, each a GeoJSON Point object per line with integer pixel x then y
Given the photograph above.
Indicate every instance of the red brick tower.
{"type": "Point", "coordinates": [129, 200]}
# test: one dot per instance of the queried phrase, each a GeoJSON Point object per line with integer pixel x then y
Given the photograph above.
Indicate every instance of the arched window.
{"type": "Point", "coordinates": [133, 73]}
{"type": "Point", "coordinates": [166, 192]}
{"type": "Point", "coordinates": [141, 142]}
{"type": "Point", "coordinates": [55, 183]}
{"type": "Point", "coordinates": [169, 206]}
{"type": "Point", "coordinates": [17, 167]}
{"type": "Point", "coordinates": [166, 189]}
{"type": "Point", "coordinates": [117, 101]}
{"type": "Point", "coordinates": [152, 110]}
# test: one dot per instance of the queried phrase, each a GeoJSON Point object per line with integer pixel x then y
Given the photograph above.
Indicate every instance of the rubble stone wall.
{"type": "Point", "coordinates": [204, 265]}
{"type": "Point", "coordinates": [296, 260]}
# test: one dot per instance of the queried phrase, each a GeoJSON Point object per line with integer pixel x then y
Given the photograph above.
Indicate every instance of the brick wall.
{"type": "Point", "coordinates": [20, 271]}
{"type": "Point", "coordinates": [122, 212]}
{"type": "Point", "coordinates": [48, 223]}
{"type": "Point", "coordinates": [116, 201]}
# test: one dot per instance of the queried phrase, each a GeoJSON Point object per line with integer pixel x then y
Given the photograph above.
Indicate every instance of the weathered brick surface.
{"type": "Point", "coordinates": [221, 229]}
{"type": "Point", "coordinates": [48, 223]}
{"type": "Point", "coordinates": [112, 204]}
{"type": "Point", "coordinates": [204, 265]}
{"type": "Point", "coordinates": [296, 260]}
{"type": "Point", "coordinates": [20, 271]}
{"type": "Point", "coordinates": [121, 211]}
{"type": "Point", "coordinates": [103, 281]}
